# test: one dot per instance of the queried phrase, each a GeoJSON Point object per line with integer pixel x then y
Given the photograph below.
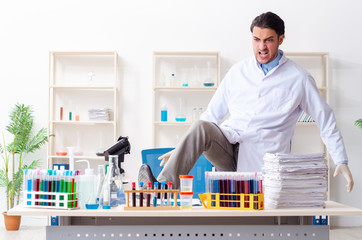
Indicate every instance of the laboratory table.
{"type": "Point", "coordinates": [116, 223]}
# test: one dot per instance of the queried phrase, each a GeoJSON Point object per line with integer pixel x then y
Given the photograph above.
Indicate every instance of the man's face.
{"type": "Point", "coordinates": [266, 44]}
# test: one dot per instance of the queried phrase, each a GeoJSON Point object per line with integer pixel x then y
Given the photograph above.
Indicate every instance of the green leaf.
{"type": "Point", "coordinates": [4, 180]}
{"type": "Point", "coordinates": [37, 141]}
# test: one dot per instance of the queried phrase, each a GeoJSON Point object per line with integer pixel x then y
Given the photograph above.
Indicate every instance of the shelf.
{"type": "Point", "coordinates": [85, 53]}
{"type": "Point", "coordinates": [83, 122]}
{"type": "Point", "coordinates": [84, 87]}
{"type": "Point", "coordinates": [159, 123]}
{"type": "Point", "coordinates": [306, 54]}
{"type": "Point", "coordinates": [78, 157]}
{"type": "Point", "coordinates": [185, 89]}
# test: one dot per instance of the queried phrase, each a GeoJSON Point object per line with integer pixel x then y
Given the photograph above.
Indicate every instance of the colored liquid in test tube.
{"type": "Point", "coordinates": [149, 185]}
{"type": "Point", "coordinates": [169, 196]}
{"type": "Point", "coordinates": [155, 185]}
{"type": "Point", "coordinates": [141, 194]}
{"type": "Point", "coordinates": [247, 192]}
{"type": "Point", "coordinates": [133, 194]}
{"type": "Point", "coordinates": [163, 184]}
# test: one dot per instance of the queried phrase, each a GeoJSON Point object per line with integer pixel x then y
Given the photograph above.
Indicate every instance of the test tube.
{"type": "Point", "coordinates": [141, 194]}
{"type": "Point", "coordinates": [256, 191]}
{"type": "Point", "coordinates": [133, 194]}
{"type": "Point", "coordinates": [169, 196]}
{"type": "Point", "coordinates": [155, 184]}
{"type": "Point", "coordinates": [61, 113]}
{"type": "Point", "coordinates": [163, 184]}
{"type": "Point", "coordinates": [246, 191]}
{"type": "Point", "coordinates": [149, 184]}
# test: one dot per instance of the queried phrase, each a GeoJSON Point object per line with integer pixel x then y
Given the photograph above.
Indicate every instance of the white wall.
{"type": "Point", "coordinates": [30, 29]}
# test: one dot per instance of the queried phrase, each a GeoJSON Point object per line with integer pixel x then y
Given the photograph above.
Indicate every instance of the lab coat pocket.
{"type": "Point", "coordinates": [279, 99]}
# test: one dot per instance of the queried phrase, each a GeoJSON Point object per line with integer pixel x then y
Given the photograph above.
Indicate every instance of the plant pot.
{"type": "Point", "coordinates": [12, 223]}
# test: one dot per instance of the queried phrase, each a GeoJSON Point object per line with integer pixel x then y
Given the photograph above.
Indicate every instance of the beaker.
{"type": "Point", "coordinates": [61, 150]}
{"type": "Point", "coordinates": [101, 148]}
{"type": "Point", "coordinates": [209, 82]}
{"type": "Point", "coordinates": [180, 117]}
{"type": "Point", "coordinates": [185, 82]}
{"type": "Point", "coordinates": [77, 150]}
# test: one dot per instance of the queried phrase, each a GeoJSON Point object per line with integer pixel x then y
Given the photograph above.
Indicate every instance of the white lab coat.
{"type": "Point", "coordinates": [264, 109]}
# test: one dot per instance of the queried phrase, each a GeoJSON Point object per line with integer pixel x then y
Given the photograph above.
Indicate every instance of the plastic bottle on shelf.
{"type": "Point", "coordinates": [87, 186]}
{"type": "Point", "coordinates": [164, 113]}
{"type": "Point", "coordinates": [173, 80]}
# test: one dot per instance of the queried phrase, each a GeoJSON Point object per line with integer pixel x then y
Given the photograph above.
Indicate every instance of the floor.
{"type": "Point", "coordinates": [38, 233]}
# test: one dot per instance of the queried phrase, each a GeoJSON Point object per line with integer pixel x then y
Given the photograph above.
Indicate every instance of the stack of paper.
{"type": "Point", "coordinates": [295, 180]}
{"type": "Point", "coordinates": [99, 114]}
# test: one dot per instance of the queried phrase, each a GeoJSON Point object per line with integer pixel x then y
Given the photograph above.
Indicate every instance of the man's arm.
{"type": "Point", "coordinates": [313, 104]}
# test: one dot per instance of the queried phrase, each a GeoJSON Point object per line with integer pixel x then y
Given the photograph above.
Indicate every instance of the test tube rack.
{"type": "Point", "coordinates": [55, 200]}
{"type": "Point", "coordinates": [233, 201]}
{"type": "Point", "coordinates": [172, 205]}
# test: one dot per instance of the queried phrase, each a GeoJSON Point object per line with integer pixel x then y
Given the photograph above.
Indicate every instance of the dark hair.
{"type": "Point", "coordinates": [269, 20]}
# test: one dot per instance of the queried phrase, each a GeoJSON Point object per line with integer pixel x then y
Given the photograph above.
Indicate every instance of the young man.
{"type": "Point", "coordinates": [263, 96]}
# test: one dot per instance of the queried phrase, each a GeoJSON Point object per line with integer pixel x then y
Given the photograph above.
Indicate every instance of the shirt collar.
{"type": "Point", "coordinates": [270, 65]}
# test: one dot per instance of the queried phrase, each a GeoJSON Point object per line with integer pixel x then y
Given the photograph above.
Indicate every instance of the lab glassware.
{"type": "Point", "coordinates": [101, 148]}
{"type": "Point", "coordinates": [77, 150]}
{"type": "Point", "coordinates": [173, 80]}
{"type": "Point", "coordinates": [106, 190]}
{"type": "Point", "coordinates": [71, 158]}
{"type": "Point", "coordinates": [180, 117]}
{"type": "Point", "coordinates": [61, 150]}
{"type": "Point", "coordinates": [164, 113]}
{"type": "Point", "coordinates": [100, 179]}
{"type": "Point", "coordinates": [185, 82]}
{"type": "Point", "coordinates": [209, 82]}
{"type": "Point", "coordinates": [117, 190]}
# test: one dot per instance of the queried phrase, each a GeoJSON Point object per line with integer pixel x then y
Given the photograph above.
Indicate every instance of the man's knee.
{"type": "Point", "coordinates": [202, 125]}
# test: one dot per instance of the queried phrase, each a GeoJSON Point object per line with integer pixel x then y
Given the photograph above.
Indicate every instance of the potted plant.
{"type": "Point", "coordinates": [14, 153]}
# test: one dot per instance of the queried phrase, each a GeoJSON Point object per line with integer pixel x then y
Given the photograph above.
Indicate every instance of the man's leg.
{"type": "Point", "coordinates": [202, 137]}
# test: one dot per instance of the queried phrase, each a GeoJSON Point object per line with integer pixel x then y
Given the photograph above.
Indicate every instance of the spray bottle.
{"type": "Point", "coordinates": [87, 186]}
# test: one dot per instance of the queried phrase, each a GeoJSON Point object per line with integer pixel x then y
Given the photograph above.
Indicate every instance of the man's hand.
{"type": "Point", "coordinates": [165, 157]}
{"type": "Point", "coordinates": [344, 170]}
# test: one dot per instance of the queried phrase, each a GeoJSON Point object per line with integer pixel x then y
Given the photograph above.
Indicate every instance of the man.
{"type": "Point", "coordinates": [263, 96]}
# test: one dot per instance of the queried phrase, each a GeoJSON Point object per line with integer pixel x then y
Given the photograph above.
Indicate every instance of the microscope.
{"type": "Point", "coordinates": [120, 148]}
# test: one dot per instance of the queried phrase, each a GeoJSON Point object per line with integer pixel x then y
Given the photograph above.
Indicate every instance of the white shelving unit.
{"type": "Point", "coordinates": [78, 82]}
{"type": "Point", "coordinates": [200, 71]}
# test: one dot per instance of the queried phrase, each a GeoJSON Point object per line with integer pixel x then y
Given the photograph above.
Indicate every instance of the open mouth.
{"type": "Point", "coordinates": [263, 54]}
